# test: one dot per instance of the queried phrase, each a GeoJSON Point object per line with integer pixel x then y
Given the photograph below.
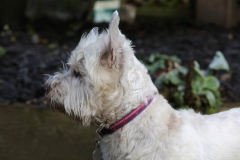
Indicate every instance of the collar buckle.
{"type": "Point", "coordinates": [97, 152]}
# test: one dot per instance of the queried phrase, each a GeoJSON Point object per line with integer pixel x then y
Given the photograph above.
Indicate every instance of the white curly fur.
{"type": "Point", "coordinates": [112, 82]}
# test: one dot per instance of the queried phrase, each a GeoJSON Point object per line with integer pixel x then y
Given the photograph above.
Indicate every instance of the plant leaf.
{"type": "Point", "coordinates": [161, 80]}
{"type": "Point", "coordinates": [2, 51]}
{"type": "Point", "coordinates": [211, 98]}
{"type": "Point", "coordinates": [211, 83]}
{"type": "Point", "coordinates": [154, 67]}
{"type": "Point", "coordinates": [152, 58]}
{"type": "Point", "coordinates": [183, 70]}
{"type": "Point", "coordinates": [197, 85]}
{"type": "Point", "coordinates": [173, 78]}
{"type": "Point", "coordinates": [178, 98]}
{"type": "Point", "coordinates": [174, 59]}
{"type": "Point", "coordinates": [197, 69]}
{"type": "Point", "coordinates": [219, 62]}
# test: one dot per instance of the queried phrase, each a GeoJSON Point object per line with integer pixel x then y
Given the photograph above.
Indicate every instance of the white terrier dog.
{"type": "Point", "coordinates": [106, 84]}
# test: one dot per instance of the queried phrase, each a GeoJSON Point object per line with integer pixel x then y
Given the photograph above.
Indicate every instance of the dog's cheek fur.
{"type": "Point", "coordinates": [108, 93]}
{"type": "Point", "coordinates": [69, 94]}
{"type": "Point", "coordinates": [79, 101]}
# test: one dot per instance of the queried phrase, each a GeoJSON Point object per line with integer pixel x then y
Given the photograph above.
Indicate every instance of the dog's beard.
{"type": "Point", "coordinates": [56, 105]}
{"type": "Point", "coordinates": [73, 97]}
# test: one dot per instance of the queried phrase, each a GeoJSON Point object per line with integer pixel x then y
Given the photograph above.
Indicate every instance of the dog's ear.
{"type": "Point", "coordinates": [114, 55]}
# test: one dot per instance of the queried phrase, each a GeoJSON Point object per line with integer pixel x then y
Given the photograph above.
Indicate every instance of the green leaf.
{"type": "Point", "coordinates": [152, 58]}
{"type": "Point", "coordinates": [178, 98]}
{"type": "Point", "coordinates": [185, 107]}
{"type": "Point", "coordinates": [211, 98]}
{"type": "Point", "coordinates": [173, 78]}
{"type": "Point", "coordinates": [183, 70]}
{"type": "Point", "coordinates": [211, 110]}
{"type": "Point", "coordinates": [181, 87]}
{"type": "Point", "coordinates": [2, 51]}
{"type": "Point", "coordinates": [52, 45]}
{"type": "Point", "coordinates": [197, 69]}
{"type": "Point", "coordinates": [162, 56]}
{"type": "Point", "coordinates": [211, 83]}
{"type": "Point", "coordinates": [197, 85]}
{"type": "Point", "coordinates": [217, 97]}
{"type": "Point", "coordinates": [161, 80]}
{"type": "Point", "coordinates": [156, 56]}
{"type": "Point", "coordinates": [198, 101]}
{"type": "Point", "coordinates": [6, 27]}
{"type": "Point", "coordinates": [174, 59]}
{"type": "Point", "coordinates": [219, 62]}
{"type": "Point", "coordinates": [154, 67]}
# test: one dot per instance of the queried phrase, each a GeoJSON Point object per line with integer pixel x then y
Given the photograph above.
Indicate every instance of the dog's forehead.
{"type": "Point", "coordinates": [90, 46]}
{"type": "Point", "coordinates": [75, 57]}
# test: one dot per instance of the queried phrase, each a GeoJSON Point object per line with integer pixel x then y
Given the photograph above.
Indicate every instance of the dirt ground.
{"type": "Point", "coordinates": [39, 133]}
{"type": "Point", "coordinates": [39, 48]}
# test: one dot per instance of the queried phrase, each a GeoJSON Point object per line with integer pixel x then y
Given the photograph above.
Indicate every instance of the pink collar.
{"type": "Point", "coordinates": [125, 120]}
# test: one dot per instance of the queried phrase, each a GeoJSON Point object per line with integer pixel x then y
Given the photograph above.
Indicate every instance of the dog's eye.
{"type": "Point", "coordinates": [76, 74]}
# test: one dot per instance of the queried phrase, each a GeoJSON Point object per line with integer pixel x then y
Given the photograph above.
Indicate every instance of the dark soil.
{"type": "Point", "coordinates": [39, 48]}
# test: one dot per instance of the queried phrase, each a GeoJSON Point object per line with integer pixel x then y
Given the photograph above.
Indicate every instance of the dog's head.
{"type": "Point", "coordinates": [102, 79]}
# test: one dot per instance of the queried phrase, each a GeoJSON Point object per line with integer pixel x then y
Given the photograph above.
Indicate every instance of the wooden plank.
{"type": "Point", "coordinates": [220, 12]}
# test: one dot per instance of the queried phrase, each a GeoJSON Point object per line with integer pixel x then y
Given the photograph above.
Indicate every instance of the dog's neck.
{"type": "Point", "coordinates": [125, 120]}
{"type": "Point", "coordinates": [140, 127]}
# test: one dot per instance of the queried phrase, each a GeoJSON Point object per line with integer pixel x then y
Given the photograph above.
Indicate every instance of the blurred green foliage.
{"type": "Point", "coordinates": [188, 87]}
{"type": "Point", "coordinates": [2, 51]}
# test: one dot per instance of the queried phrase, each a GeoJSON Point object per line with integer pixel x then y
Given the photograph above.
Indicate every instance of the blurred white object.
{"type": "Point", "coordinates": [103, 10]}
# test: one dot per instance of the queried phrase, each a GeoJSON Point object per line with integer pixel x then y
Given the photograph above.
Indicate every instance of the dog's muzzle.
{"type": "Point", "coordinates": [51, 103]}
